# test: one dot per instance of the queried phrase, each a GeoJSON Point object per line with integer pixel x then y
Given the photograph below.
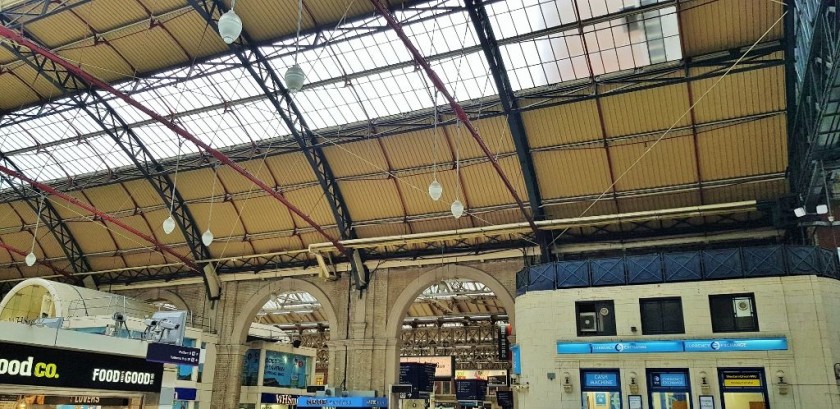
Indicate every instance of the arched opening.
{"type": "Point", "coordinates": [452, 313]}
{"type": "Point", "coordinates": [277, 326]}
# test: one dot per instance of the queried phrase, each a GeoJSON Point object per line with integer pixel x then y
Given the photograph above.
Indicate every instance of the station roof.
{"type": "Point", "coordinates": [603, 88]}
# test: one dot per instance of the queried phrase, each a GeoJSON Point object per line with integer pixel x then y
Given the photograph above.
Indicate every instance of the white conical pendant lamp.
{"type": "Point", "coordinates": [294, 75]}
{"type": "Point", "coordinates": [169, 225]}
{"type": "Point", "coordinates": [435, 190]}
{"type": "Point", "coordinates": [207, 237]}
{"type": "Point", "coordinates": [31, 259]}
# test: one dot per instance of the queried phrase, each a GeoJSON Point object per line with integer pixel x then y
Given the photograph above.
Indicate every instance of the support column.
{"type": "Point", "coordinates": [227, 376]}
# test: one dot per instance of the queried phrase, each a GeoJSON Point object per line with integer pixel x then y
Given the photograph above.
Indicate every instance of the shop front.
{"type": "Point", "coordinates": [600, 389]}
{"type": "Point", "coordinates": [743, 388]}
{"type": "Point", "coordinates": [669, 389]}
{"type": "Point", "coordinates": [50, 378]}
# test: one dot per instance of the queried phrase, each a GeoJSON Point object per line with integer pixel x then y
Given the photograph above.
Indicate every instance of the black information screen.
{"type": "Point", "coordinates": [470, 389]}
{"type": "Point", "coordinates": [420, 376]}
{"type": "Point", "coordinates": [41, 366]}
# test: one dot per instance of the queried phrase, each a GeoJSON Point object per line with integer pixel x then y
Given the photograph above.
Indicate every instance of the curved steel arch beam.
{"type": "Point", "coordinates": [114, 126]}
{"type": "Point", "coordinates": [255, 62]}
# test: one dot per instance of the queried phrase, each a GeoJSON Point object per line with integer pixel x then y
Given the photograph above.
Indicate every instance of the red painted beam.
{"type": "Point", "coordinates": [456, 107]}
{"type": "Point", "coordinates": [183, 133]}
{"type": "Point", "coordinates": [104, 216]}
{"type": "Point", "coordinates": [40, 261]}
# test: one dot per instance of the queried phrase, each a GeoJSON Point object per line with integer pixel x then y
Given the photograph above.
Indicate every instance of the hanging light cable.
{"type": "Point", "coordinates": [30, 258]}
{"type": "Point", "coordinates": [457, 208]}
{"type": "Point", "coordinates": [294, 75]}
{"type": "Point", "coordinates": [207, 236]}
{"type": "Point", "coordinates": [169, 223]}
{"type": "Point", "coordinates": [230, 25]}
{"type": "Point", "coordinates": [435, 188]}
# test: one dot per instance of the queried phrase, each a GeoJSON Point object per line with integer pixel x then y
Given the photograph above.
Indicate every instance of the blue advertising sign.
{"type": "Point", "coordinates": [285, 370]}
{"type": "Point", "coordinates": [690, 345]}
{"type": "Point", "coordinates": [669, 380]}
{"type": "Point", "coordinates": [348, 402]}
{"type": "Point", "coordinates": [251, 367]}
{"type": "Point", "coordinates": [172, 354]}
{"type": "Point", "coordinates": [600, 379]}
{"type": "Point", "coordinates": [735, 345]}
{"type": "Point", "coordinates": [517, 363]}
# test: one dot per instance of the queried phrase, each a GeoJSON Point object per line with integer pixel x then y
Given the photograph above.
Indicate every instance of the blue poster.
{"type": "Point", "coordinates": [517, 363]}
{"type": "Point", "coordinates": [185, 371]}
{"type": "Point", "coordinates": [285, 370]}
{"type": "Point", "coordinates": [251, 367]}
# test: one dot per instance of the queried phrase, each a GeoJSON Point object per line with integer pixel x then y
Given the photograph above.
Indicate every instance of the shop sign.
{"type": "Point", "coordinates": [734, 345]}
{"type": "Point", "coordinates": [173, 354]}
{"type": "Point", "coordinates": [279, 398]}
{"type": "Point", "coordinates": [49, 367]}
{"type": "Point", "coordinates": [741, 380]}
{"type": "Point", "coordinates": [690, 345]}
{"type": "Point", "coordinates": [85, 400]}
{"type": "Point", "coordinates": [348, 402]}
{"type": "Point", "coordinates": [600, 379]}
{"type": "Point", "coordinates": [668, 380]}
{"type": "Point", "coordinates": [516, 359]}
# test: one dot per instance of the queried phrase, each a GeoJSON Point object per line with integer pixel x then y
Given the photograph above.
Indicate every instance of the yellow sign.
{"type": "Point", "coordinates": [740, 383]}
{"type": "Point", "coordinates": [319, 378]}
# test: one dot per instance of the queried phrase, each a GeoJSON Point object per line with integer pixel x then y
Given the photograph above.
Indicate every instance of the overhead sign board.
{"type": "Point", "coordinates": [49, 367]}
{"type": "Point", "coordinates": [173, 354]}
{"type": "Point", "coordinates": [348, 402]}
{"type": "Point", "coordinates": [445, 365]}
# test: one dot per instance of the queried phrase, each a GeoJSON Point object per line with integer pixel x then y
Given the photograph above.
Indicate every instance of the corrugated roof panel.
{"type": "Point", "coordinates": [371, 199]}
{"type": "Point", "coordinates": [562, 124]}
{"type": "Point", "coordinates": [415, 191]}
{"type": "Point", "coordinates": [709, 26]}
{"type": "Point", "coordinates": [413, 149]}
{"type": "Point", "coordinates": [110, 198]}
{"type": "Point", "coordinates": [21, 240]}
{"type": "Point", "coordinates": [313, 202]}
{"type": "Point", "coordinates": [669, 162]}
{"type": "Point", "coordinates": [494, 131]}
{"type": "Point", "coordinates": [37, 81]}
{"type": "Point", "coordinates": [264, 214]}
{"type": "Point", "coordinates": [159, 6]}
{"type": "Point", "coordinates": [22, 211]}
{"type": "Point", "coordinates": [8, 216]}
{"type": "Point", "coordinates": [275, 244]}
{"type": "Point", "coordinates": [566, 173]}
{"type": "Point", "coordinates": [484, 187]}
{"type": "Point", "coordinates": [290, 169]}
{"type": "Point", "coordinates": [659, 201]}
{"type": "Point", "coordinates": [356, 158]}
{"type": "Point", "coordinates": [184, 28]}
{"type": "Point", "coordinates": [224, 221]}
{"type": "Point", "coordinates": [67, 210]}
{"type": "Point", "coordinates": [102, 61]}
{"type": "Point", "coordinates": [496, 217]}
{"type": "Point", "coordinates": [196, 184]}
{"type": "Point", "coordinates": [57, 29]}
{"type": "Point", "coordinates": [751, 148]}
{"type": "Point", "coordinates": [92, 237]}
{"type": "Point", "coordinates": [766, 190]}
{"type": "Point", "coordinates": [580, 208]}
{"type": "Point", "coordinates": [234, 182]}
{"type": "Point", "coordinates": [105, 15]}
{"type": "Point", "coordinates": [740, 94]}
{"type": "Point", "coordinates": [100, 263]}
{"type": "Point", "coordinates": [231, 248]}
{"type": "Point", "coordinates": [327, 12]}
{"type": "Point", "coordinates": [382, 230]}
{"type": "Point", "coordinates": [439, 224]}
{"type": "Point", "coordinates": [160, 50]}
{"type": "Point", "coordinates": [645, 110]}
{"type": "Point", "coordinates": [310, 238]}
{"type": "Point", "coordinates": [48, 244]}
{"type": "Point", "coordinates": [13, 86]}
{"type": "Point", "coordinates": [126, 240]}
{"type": "Point", "coordinates": [143, 193]}
{"type": "Point", "coordinates": [147, 259]}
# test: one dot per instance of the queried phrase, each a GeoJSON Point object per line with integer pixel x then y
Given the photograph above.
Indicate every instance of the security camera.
{"type": "Point", "coordinates": [166, 324]}
{"type": "Point", "coordinates": [119, 317]}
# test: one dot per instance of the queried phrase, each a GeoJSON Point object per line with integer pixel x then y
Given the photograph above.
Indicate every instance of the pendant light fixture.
{"type": "Point", "coordinates": [169, 224]}
{"type": "Point", "coordinates": [207, 237]}
{"type": "Point", "coordinates": [31, 258]}
{"type": "Point", "coordinates": [294, 75]}
{"type": "Point", "coordinates": [435, 188]}
{"type": "Point", "coordinates": [230, 25]}
{"type": "Point", "coordinates": [457, 208]}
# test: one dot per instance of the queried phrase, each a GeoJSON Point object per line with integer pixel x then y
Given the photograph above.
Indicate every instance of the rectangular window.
{"type": "Point", "coordinates": [733, 313]}
{"type": "Point", "coordinates": [595, 318]}
{"type": "Point", "coordinates": [662, 316]}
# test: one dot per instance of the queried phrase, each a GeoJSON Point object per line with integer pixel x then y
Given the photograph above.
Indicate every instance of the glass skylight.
{"type": "Point", "coordinates": [357, 73]}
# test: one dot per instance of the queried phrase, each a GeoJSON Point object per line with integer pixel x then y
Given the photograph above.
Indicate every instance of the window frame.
{"type": "Point", "coordinates": [658, 301]}
{"type": "Point", "coordinates": [597, 304]}
{"type": "Point", "coordinates": [732, 297]}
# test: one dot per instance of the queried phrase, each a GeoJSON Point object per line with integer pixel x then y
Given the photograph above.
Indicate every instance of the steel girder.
{"type": "Point", "coordinates": [92, 103]}
{"type": "Point", "coordinates": [510, 106]}
{"type": "Point", "coordinates": [261, 71]}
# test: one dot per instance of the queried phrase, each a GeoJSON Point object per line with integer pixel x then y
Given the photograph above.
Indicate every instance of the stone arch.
{"type": "Point", "coordinates": [247, 313]}
{"type": "Point", "coordinates": [426, 280]}
{"type": "Point", "coordinates": [171, 297]}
